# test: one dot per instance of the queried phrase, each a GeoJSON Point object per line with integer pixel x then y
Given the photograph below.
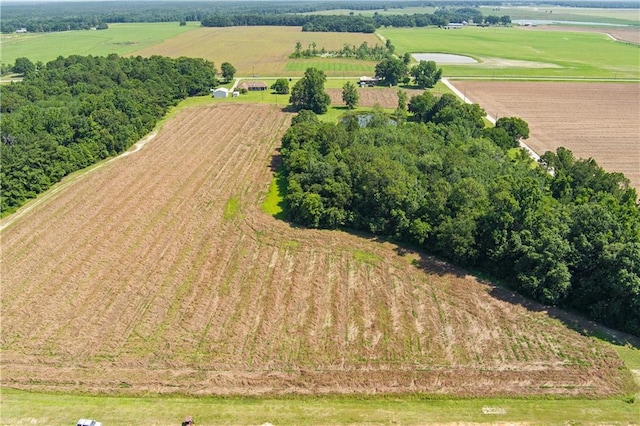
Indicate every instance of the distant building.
{"type": "Point", "coordinates": [220, 92]}
{"type": "Point", "coordinates": [21, 30]}
{"type": "Point", "coordinates": [253, 86]}
{"type": "Point", "coordinates": [454, 26]}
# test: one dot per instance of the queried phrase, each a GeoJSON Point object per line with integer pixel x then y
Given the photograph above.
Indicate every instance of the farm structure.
{"type": "Point", "coordinates": [173, 280]}
{"type": "Point", "coordinates": [368, 81]}
{"type": "Point", "coordinates": [253, 86]}
{"type": "Point", "coordinates": [220, 92]}
{"type": "Point", "coordinates": [594, 120]}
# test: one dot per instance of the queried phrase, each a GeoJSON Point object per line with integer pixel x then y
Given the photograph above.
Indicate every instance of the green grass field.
{"type": "Point", "coordinates": [119, 38]}
{"type": "Point", "coordinates": [578, 14]}
{"type": "Point", "coordinates": [19, 407]}
{"type": "Point", "coordinates": [514, 52]}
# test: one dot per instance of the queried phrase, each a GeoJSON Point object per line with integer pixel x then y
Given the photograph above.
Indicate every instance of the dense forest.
{"type": "Point", "coordinates": [564, 233]}
{"type": "Point", "coordinates": [75, 111]}
{"type": "Point", "coordinates": [63, 16]}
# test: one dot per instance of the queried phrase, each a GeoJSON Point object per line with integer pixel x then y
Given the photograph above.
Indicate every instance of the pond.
{"type": "Point", "coordinates": [444, 58]}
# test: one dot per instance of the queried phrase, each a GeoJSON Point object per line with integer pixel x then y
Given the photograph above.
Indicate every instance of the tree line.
{"type": "Point", "coordinates": [313, 23]}
{"type": "Point", "coordinates": [442, 183]}
{"type": "Point", "coordinates": [75, 111]}
{"type": "Point", "coordinates": [63, 16]}
{"type": "Point", "coordinates": [362, 52]}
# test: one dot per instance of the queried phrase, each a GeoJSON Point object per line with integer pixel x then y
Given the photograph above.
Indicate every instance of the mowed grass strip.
{"type": "Point", "coordinates": [546, 54]}
{"type": "Point", "coordinates": [119, 38]}
{"type": "Point", "coordinates": [260, 51]}
{"type": "Point", "coordinates": [19, 407]}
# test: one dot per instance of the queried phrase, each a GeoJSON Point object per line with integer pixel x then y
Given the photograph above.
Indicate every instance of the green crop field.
{"type": "Point", "coordinates": [516, 52]}
{"type": "Point", "coordinates": [577, 14]}
{"type": "Point", "coordinates": [119, 38]}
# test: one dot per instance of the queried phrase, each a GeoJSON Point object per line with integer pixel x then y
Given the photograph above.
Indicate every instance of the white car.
{"type": "Point", "coordinates": [88, 422]}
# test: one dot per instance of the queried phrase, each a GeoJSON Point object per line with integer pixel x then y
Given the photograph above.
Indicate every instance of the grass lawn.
{"type": "Point", "coordinates": [20, 407]}
{"type": "Point", "coordinates": [516, 52]}
{"type": "Point", "coordinates": [119, 38]}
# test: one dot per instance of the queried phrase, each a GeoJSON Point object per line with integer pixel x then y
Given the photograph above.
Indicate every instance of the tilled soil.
{"type": "Point", "coordinates": [158, 272]}
{"type": "Point", "coordinates": [594, 120]}
{"type": "Point", "coordinates": [371, 96]}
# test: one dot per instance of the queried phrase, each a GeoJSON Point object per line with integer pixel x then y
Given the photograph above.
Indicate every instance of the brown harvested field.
{"type": "Point", "coordinates": [158, 272]}
{"type": "Point", "coordinates": [371, 96]}
{"type": "Point", "coordinates": [599, 120]}
{"type": "Point", "coordinates": [261, 51]}
{"type": "Point", "coordinates": [631, 34]}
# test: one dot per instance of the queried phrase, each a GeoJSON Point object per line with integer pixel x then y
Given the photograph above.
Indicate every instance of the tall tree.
{"type": "Point", "coordinates": [350, 94]}
{"type": "Point", "coordinates": [391, 71]}
{"type": "Point", "coordinates": [228, 71]}
{"type": "Point", "coordinates": [308, 92]}
{"type": "Point", "coordinates": [426, 74]}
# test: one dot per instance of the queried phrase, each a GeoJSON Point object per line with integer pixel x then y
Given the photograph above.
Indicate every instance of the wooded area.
{"type": "Point", "coordinates": [567, 233]}
{"type": "Point", "coordinates": [75, 111]}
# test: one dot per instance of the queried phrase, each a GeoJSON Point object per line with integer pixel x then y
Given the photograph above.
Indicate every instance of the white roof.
{"type": "Point", "coordinates": [222, 89]}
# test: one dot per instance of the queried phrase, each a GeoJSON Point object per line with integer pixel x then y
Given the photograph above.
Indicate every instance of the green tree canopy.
{"type": "Point", "coordinates": [426, 74]}
{"type": "Point", "coordinates": [281, 86]}
{"type": "Point", "coordinates": [515, 127]}
{"type": "Point", "coordinates": [228, 71]}
{"type": "Point", "coordinates": [308, 92]}
{"type": "Point", "coordinates": [391, 71]}
{"type": "Point", "coordinates": [23, 66]}
{"type": "Point", "coordinates": [350, 94]}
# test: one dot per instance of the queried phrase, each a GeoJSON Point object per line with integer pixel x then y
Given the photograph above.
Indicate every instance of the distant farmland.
{"type": "Point", "coordinates": [158, 272]}
{"type": "Point", "coordinates": [518, 52]}
{"type": "Point", "coordinates": [265, 50]}
{"type": "Point", "coordinates": [119, 38]}
{"type": "Point", "coordinates": [592, 120]}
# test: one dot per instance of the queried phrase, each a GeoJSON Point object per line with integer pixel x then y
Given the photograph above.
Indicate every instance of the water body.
{"type": "Point", "coordinates": [551, 22]}
{"type": "Point", "coordinates": [444, 58]}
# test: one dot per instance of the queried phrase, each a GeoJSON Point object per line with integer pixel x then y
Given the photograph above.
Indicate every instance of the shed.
{"type": "Point", "coordinates": [253, 85]}
{"type": "Point", "coordinates": [220, 92]}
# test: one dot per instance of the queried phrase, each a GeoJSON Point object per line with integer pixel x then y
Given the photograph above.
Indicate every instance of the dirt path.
{"type": "Point", "coordinates": [491, 119]}
{"type": "Point", "coordinates": [594, 120]}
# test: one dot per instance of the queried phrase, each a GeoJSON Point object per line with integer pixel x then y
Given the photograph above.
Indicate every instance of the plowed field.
{"type": "Point", "coordinates": [369, 96]}
{"type": "Point", "coordinates": [598, 120]}
{"type": "Point", "coordinates": [158, 272]}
